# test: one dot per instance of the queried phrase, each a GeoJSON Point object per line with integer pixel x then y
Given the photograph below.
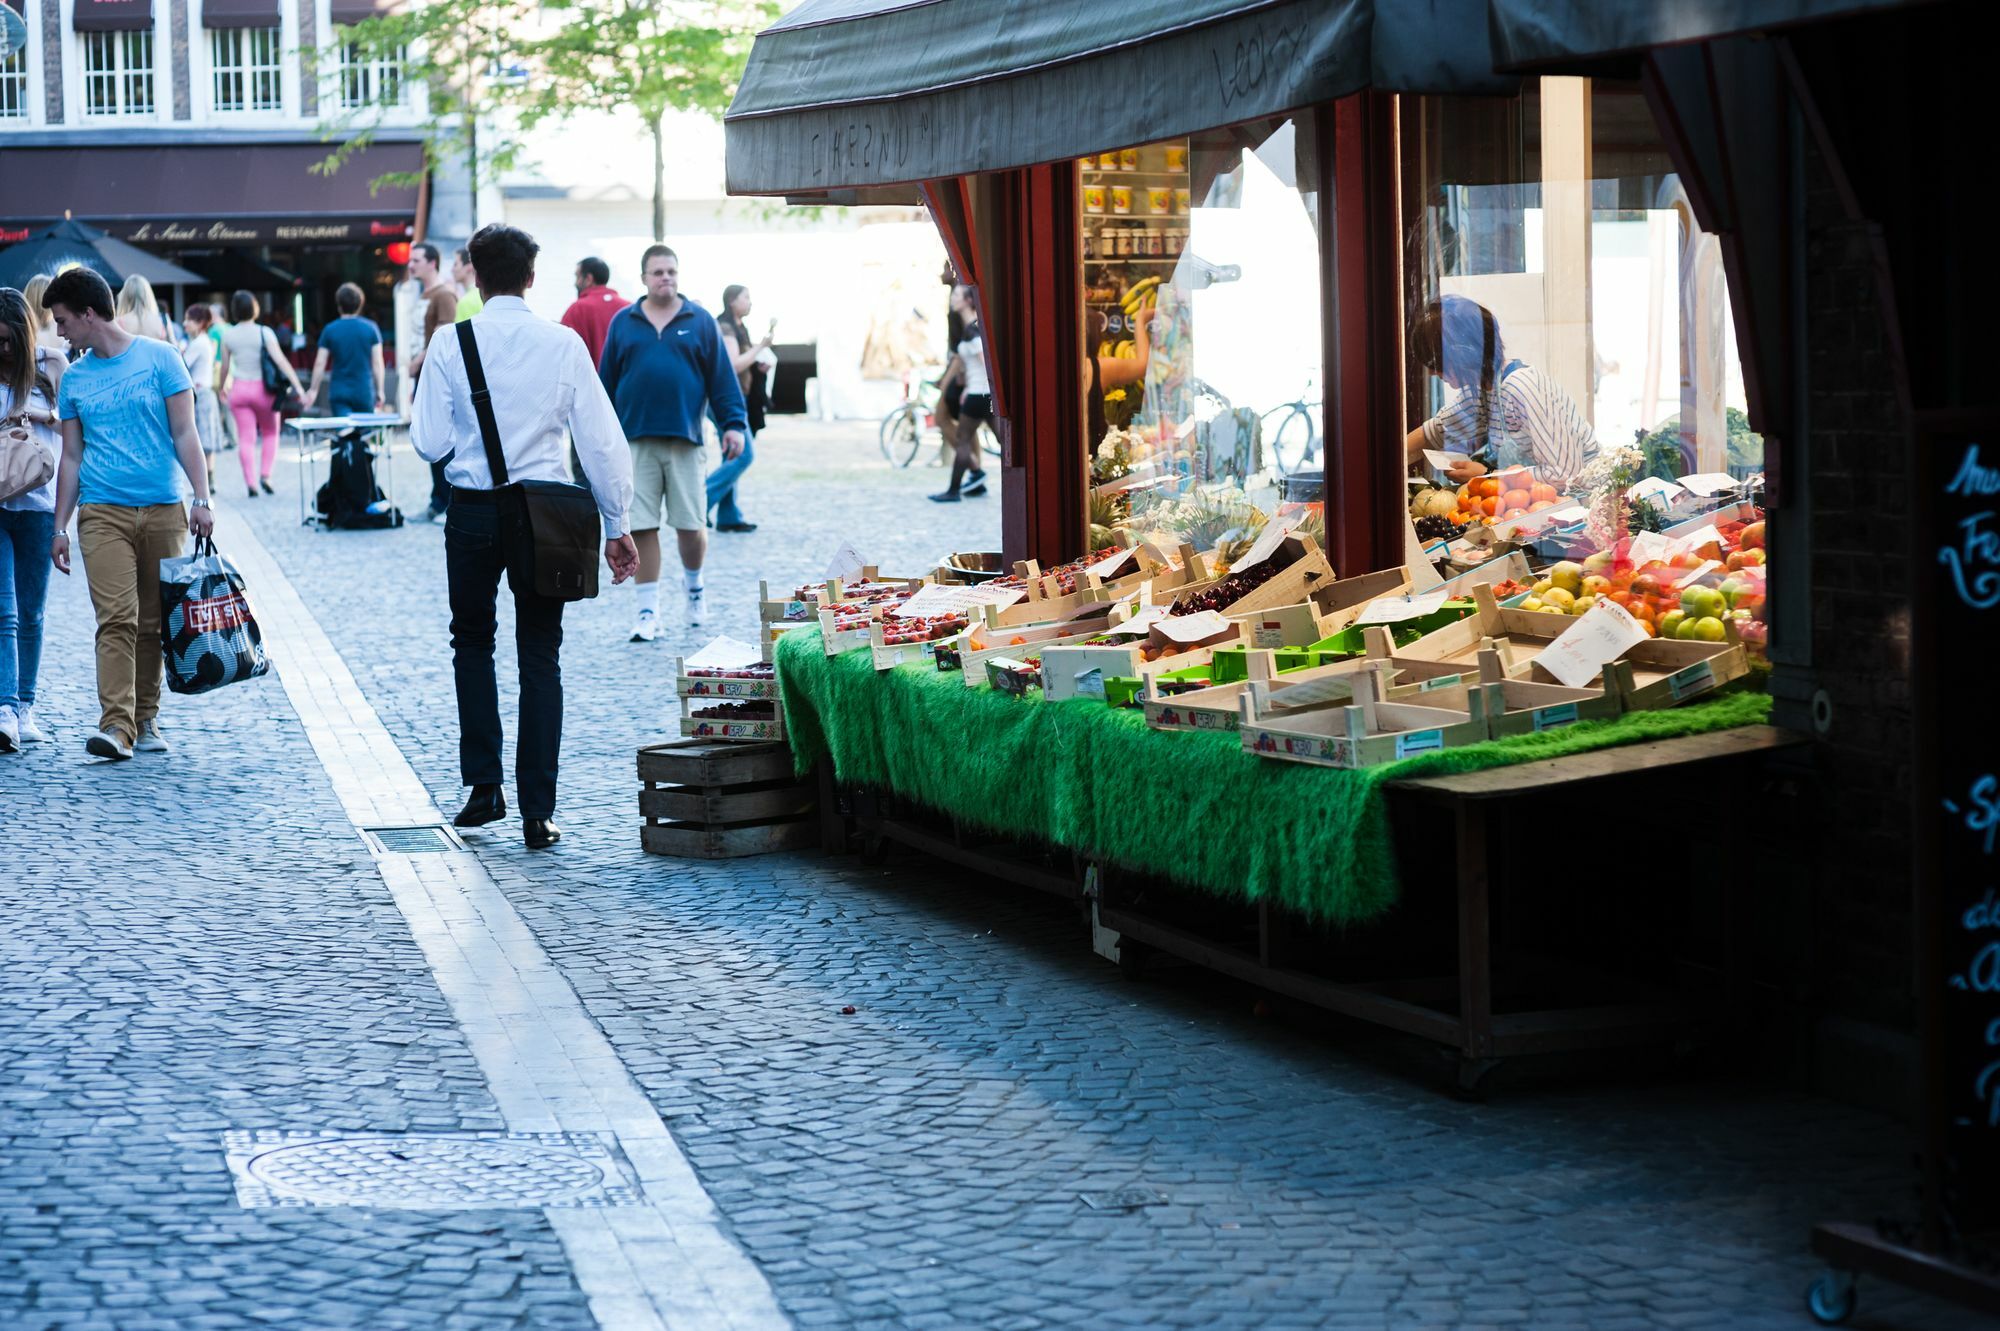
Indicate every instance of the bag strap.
{"type": "Point", "coordinates": [482, 403]}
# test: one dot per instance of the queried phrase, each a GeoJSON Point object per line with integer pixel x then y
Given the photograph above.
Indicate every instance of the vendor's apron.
{"type": "Point", "coordinates": [1507, 449]}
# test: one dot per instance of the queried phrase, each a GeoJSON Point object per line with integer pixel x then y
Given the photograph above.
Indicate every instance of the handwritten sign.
{"type": "Point", "coordinates": [1696, 540]}
{"type": "Point", "coordinates": [1709, 483]}
{"type": "Point", "coordinates": [1648, 546]}
{"type": "Point", "coordinates": [1197, 627]}
{"type": "Point", "coordinates": [725, 653]}
{"type": "Point", "coordinates": [1696, 574]}
{"type": "Point", "coordinates": [1655, 490]}
{"type": "Point", "coordinates": [1108, 565]}
{"type": "Point", "coordinates": [1276, 530]}
{"type": "Point", "coordinates": [1972, 555]}
{"type": "Point", "coordinates": [940, 599]}
{"type": "Point", "coordinates": [1397, 609]}
{"type": "Point", "coordinates": [1601, 634]}
{"type": "Point", "coordinates": [846, 563]}
{"type": "Point", "coordinates": [1139, 624]}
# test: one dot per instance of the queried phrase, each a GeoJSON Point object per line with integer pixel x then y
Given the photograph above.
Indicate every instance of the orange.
{"type": "Point", "coordinates": [1486, 487]}
{"type": "Point", "coordinates": [1515, 499]}
{"type": "Point", "coordinates": [1489, 506]}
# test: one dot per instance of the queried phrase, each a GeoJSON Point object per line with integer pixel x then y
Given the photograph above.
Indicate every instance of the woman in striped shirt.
{"type": "Point", "coordinates": [1506, 414]}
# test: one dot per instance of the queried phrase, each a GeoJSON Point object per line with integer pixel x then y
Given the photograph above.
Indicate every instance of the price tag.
{"type": "Point", "coordinates": [1140, 624]}
{"type": "Point", "coordinates": [1604, 633]}
{"type": "Point", "coordinates": [1422, 741]}
{"type": "Point", "coordinates": [1648, 546]}
{"type": "Point", "coordinates": [1090, 683]}
{"type": "Point", "coordinates": [1396, 609]}
{"type": "Point", "coordinates": [1194, 628]}
{"type": "Point", "coordinates": [1698, 539]}
{"type": "Point", "coordinates": [846, 563]}
{"type": "Point", "coordinates": [1709, 483]}
{"type": "Point", "coordinates": [1654, 489]}
{"type": "Point", "coordinates": [1697, 678]}
{"type": "Point", "coordinates": [1695, 575]}
{"type": "Point", "coordinates": [1104, 567]}
{"type": "Point", "coordinates": [1274, 532]}
{"type": "Point", "coordinates": [1441, 460]}
{"type": "Point", "coordinates": [939, 599]}
{"type": "Point", "coordinates": [723, 654]}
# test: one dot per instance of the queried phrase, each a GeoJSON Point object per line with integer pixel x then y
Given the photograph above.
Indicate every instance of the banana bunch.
{"type": "Point", "coordinates": [1134, 300]}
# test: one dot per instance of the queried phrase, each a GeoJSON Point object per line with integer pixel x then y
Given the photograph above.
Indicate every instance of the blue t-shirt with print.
{"type": "Point", "coordinates": [351, 371]}
{"type": "Point", "coordinates": [128, 447]}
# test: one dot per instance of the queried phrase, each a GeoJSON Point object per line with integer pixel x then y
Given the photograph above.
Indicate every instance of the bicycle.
{"type": "Point", "coordinates": [1295, 425]}
{"type": "Point", "coordinates": [905, 428]}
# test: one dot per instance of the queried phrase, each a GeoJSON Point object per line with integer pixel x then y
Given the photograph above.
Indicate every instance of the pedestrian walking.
{"type": "Point", "coordinates": [466, 283]}
{"type": "Point", "coordinates": [139, 310]}
{"type": "Point", "coordinates": [541, 387]}
{"type": "Point", "coordinates": [46, 335]}
{"type": "Point", "coordinates": [968, 478]}
{"type": "Point", "coordinates": [218, 324]}
{"type": "Point", "coordinates": [199, 354]}
{"type": "Point", "coordinates": [665, 368]}
{"type": "Point", "coordinates": [440, 311]}
{"type": "Point", "coordinates": [349, 360]}
{"type": "Point", "coordinates": [127, 412]}
{"type": "Point", "coordinates": [590, 314]}
{"type": "Point", "coordinates": [251, 357]}
{"type": "Point", "coordinates": [747, 359]}
{"type": "Point", "coordinates": [30, 377]}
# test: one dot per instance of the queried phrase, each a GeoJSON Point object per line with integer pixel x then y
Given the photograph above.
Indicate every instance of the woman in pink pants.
{"type": "Point", "coordinates": [244, 345]}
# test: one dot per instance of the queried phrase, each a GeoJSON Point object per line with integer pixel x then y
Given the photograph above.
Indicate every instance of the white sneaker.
{"type": "Point", "coordinates": [105, 744]}
{"type": "Point", "coordinates": [150, 739]}
{"type": "Point", "coordinates": [10, 731]}
{"type": "Point", "coordinates": [30, 732]}
{"type": "Point", "coordinates": [694, 609]}
{"type": "Point", "coordinates": [648, 627]}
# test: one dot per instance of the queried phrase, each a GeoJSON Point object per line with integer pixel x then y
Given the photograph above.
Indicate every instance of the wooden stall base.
{"type": "Point", "coordinates": [1852, 1250]}
{"type": "Point", "coordinates": [706, 800]}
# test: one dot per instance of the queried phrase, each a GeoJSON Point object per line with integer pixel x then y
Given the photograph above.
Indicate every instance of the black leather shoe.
{"type": "Point", "coordinates": [486, 805]}
{"type": "Point", "coordinates": [540, 833]}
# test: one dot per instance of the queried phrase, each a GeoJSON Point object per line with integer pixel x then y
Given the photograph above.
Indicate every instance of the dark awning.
{"type": "Point", "coordinates": [219, 194]}
{"type": "Point", "coordinates": [349, 12]}
{"type": "Point", "coordinates": [240, 14]}
{"type": "Point", "coordinates": [846, 93]}
{"type": "Point", "coordinates": [1531, 34]}
{"type": "Point", "coordinates": [112, 16]}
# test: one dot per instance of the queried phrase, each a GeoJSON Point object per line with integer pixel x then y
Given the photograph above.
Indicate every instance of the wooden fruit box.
{"type": "Point", "coordinates": [1219, 707]}
{"type": "Point", "coordinates": [1665, 672]}
{"type": "Point", "coordinates": [1043, 605]}
{"type": "Point", "coordinates": [729, 688]}
{"type": "Point", "coordinates": [888, 655]}
{"type": "Point", "coordinates": [786, 609]}
{"type": "Point", "coordinates": [1513, 706]}
{"type": "Point", "coordinates": [1080, 671]}
{"type": "Point", "coordinates": [1367, 733]}
{"type": "Point", "coordinates": [996, 641]}
{"type": "Point", "coordinates": [736, 730]}
{"type": "Point", "coordinates": [1519, 635]}
{"type": "Point", "coordinates": [1303, 571]}
{"type": "Point", "coordinates": [703, 800]}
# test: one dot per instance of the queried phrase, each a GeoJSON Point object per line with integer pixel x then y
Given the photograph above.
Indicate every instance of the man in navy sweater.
{"type": "Point", "coordinates": [665, 367]}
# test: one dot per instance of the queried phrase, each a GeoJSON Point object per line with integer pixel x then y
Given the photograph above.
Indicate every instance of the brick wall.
{"type": "Point", "coordinates": [1858, 448]}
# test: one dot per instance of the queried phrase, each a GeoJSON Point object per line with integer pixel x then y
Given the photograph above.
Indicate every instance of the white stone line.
{"type": "Point", "coordinates": [666, 1266]}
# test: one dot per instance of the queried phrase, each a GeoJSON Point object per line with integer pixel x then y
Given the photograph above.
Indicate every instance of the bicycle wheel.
{"type": "Point", "coordinates": [1292, 441]}
{"type": "Point", "coordinates": [989, 441]}
{"type": "Point", "coordinates": [902, 430]}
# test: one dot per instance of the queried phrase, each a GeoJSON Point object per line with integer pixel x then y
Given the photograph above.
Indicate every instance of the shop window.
{"type": "Point", "coordinates": [247, 67]}
{"type": "Point", "coordinates": [1201, 264]}
{"type": "Point", "coordinates": [370, 77]}
{"type": "Point", "coordinates": [118, 73]}
{"type": "Point", "coordinates": [1569, 335]}
{"type": "Point", "coordinates": [14, 86]}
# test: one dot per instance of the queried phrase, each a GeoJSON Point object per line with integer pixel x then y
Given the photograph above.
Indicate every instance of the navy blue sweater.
{"type": "Point", "coordinates": [662, 383]}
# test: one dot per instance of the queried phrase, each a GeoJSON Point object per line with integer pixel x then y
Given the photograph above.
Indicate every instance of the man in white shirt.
{"type": "Point", "coordinates": [543, 388]}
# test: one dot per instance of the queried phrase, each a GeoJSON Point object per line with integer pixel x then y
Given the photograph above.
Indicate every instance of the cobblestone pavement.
{"type": "Point", "coordinates": [917, 1164]}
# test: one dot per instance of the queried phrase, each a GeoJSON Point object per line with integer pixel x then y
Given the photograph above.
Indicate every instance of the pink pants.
{"type": "Point", "coordinates": [256, 416]}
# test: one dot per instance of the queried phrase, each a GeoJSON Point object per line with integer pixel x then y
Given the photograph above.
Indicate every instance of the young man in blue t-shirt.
{"type": "Point", "coordinates": [127, 413]}
{"type": "Point", "coordinates": [350, 348]}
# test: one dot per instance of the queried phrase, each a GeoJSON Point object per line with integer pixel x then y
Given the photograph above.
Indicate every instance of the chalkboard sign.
{"type": "Point", "coordinates": [1958, 813]}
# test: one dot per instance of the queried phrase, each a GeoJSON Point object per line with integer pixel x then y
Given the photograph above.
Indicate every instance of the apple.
{"type": "Point", "coordinates": [1709, 629]}
{"type": "Point", "coordinates": [1670, 623]}
{"type": "Point", "coordinates": [1596, 585]}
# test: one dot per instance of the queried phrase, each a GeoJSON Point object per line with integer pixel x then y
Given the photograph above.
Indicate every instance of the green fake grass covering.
{"type": "Point", "coordinates": [1191, 806]}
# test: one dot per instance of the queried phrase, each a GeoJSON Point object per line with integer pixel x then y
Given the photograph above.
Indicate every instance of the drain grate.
{"type": "Point", "coordinates": [429, 1171]}
{"type": "Point", "coordinates": [427, 839]}
{"type": "Point", "coordinates": [1123, 1199]}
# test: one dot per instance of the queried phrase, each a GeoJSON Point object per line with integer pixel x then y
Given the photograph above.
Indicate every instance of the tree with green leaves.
{"type": "Point", "coordinates": [488, 63]}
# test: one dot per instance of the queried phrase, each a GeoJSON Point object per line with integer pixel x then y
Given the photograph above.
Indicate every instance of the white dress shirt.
{"type": "Point", "coordinates": [544, 389]}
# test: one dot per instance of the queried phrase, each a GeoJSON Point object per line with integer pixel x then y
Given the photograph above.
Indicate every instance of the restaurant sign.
{"type": "Point", "coordinates": [201, 233]}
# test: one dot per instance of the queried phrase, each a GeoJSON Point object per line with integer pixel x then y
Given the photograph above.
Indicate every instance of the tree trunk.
{"type": "Point", "coordinates": [659, 179]}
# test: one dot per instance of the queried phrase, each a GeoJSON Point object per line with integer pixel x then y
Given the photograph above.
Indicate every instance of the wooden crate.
{"type": "Point", "coordinates": [734, 729]}
{"type": "Point", "coordinates": [1304, 572]}
{"type": "Point", "coordinates": [1518, 635]}
{"type": "Point", "coordinates": [703, 800]}
{"type": "Point", "coordinates": [1219, 706]}
{"type": "Point", "coordinates": [1000, 642]}
{"type": "Point", "coordinates": [1369, 732]}
{"type": "Point", "coordinates": [1512, 706]}
{"type": "Point", "coordinates": [1067, 671]}
{"type": "Point", "coordinates": [1665, 672]}
{"type": "Point", "coordinates": [887, 655]}
{"type": "Point", "coordinates": [721, 686]}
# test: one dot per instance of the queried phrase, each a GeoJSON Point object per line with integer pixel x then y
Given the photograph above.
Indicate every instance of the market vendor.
{"type": "Point", "coordinates": [1108, 374]}
{"type": "Point", "coordinates": [1507, 413]}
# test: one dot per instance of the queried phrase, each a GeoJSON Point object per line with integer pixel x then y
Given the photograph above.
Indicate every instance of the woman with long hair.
{"type": "Point", "coordinates": [244, 346]}
{"type": "Point", "coordinates": [139, 312]}
{"type": "Point", "coordinates": [29, 376]}
{"type": "Point", "coordinates": [199, 356]}
{"type": "Point", "coordinates": [744, 357]}
{"type": "Point", "coordinates": [1507, 413]}
{"type": "Point", "coordinates": [967, 476]}
{"type": "Point", "coordinates": [46, 336]}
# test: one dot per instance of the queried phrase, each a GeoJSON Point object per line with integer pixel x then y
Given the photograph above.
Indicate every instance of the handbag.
{"type": "Point", "coordinates": [276, 382]}
{"type": "Point", "coordinates": [563, 528]}
{"type": "Point", "coordinates": [25, 463]}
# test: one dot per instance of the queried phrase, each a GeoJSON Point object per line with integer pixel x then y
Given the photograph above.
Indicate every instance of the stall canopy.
{"type": "Point", "coordinates": [1537, 33]}
{"type": "Point", "coordinates": [240, 14]}
{"type": "Point", "coordinates": [846, 93]}
{"type": "Point", "coordinates": [112, 16]}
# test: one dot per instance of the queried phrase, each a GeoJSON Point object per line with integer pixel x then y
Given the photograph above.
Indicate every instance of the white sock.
{"type": "Point", "coordinates": [648, 594]}
{"type": "Point", "coordinates": [693, 578]}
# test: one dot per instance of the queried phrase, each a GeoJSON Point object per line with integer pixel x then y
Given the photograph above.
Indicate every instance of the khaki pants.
{"type": "Point", "coordinates": [122, 550]}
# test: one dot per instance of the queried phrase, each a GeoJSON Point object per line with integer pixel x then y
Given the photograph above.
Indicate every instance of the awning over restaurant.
{"type": "Point", "coordinates": [348, 12]}
{"type": "Point", "coordinates": [213, 195]}
{"type": "Point", "coordinates": [112, 16]}
{"type": "Point", "coordinates": [847, 93]}
{"type": "Point", "coordinates": [1538, 33]}
{"type": "Point", "coordinates": [240, 14]}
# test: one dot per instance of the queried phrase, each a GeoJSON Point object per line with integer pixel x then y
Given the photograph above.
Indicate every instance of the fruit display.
{"type": "Point", "coordinates": [1065, 577]}
{"type": "Point", "coordinates": [1228, 591]}
{"type": "Point", "coordinates": [1432, 527]}
{"type": "Point", "coordinates": [755, 670]}
{"type": "Point", "coordinates": [1432, 502]}
{"type": "Point", "coordinates": [895, 630]}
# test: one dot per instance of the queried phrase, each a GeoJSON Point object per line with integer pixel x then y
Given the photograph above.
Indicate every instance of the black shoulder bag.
{"type": "Point", "coordinates": [563, 528]}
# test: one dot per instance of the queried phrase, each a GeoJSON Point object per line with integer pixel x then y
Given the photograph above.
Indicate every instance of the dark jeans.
{"type": "Point", "coordinates": [486, 535]}
{"type": "Point", "coordinates": [440, 489]}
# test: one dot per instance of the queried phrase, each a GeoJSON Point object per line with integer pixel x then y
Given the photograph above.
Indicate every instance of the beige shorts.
{"type": "Point", "coordinates": [670, 481]}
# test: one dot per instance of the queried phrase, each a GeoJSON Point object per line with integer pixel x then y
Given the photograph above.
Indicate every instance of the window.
{"type": "Point", "coordinates": [118, 73]}
{"type": "Point", "coordinates": [248, 68]}
{"type": "Point", "coordinates": [14, 86]}
{"type": "Point", "coordinates": [370, 77]}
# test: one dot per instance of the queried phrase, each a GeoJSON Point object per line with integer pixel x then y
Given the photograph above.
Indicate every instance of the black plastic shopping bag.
{"type": "Point", "coordinates": [205, 623]}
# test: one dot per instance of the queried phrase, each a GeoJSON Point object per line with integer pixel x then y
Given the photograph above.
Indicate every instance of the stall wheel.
{"type": "Point", "coordinates": [1831, 1298]}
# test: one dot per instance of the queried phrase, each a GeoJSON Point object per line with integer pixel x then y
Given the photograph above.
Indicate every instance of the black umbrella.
{"type": "Point", "coordinates": [70, 242]}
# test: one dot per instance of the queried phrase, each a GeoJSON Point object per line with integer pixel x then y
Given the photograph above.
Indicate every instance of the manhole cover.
{"type": "Point", "coordinates": [429, 839]}
{"type": "Point", "coordinates": [433, 1171]}
{"type": "Point", "coordinates": [1123, 1199]}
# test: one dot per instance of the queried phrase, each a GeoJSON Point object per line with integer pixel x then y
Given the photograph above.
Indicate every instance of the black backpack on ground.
{"type": "Point", "coordinates": [350, 488]}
